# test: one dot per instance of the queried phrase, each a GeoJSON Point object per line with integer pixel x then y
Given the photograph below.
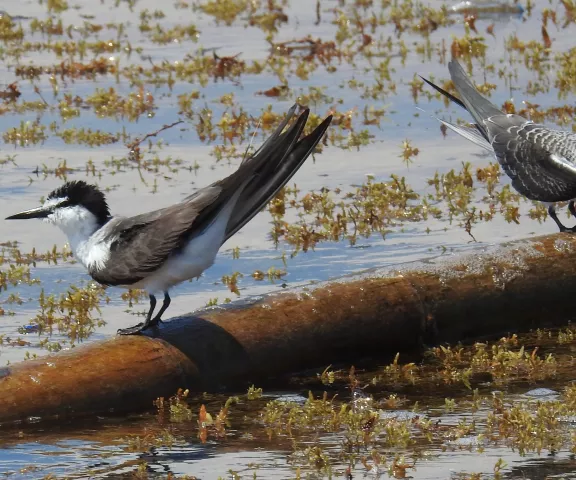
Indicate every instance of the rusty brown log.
{"type": "Point", "coordinates": [516, 286]}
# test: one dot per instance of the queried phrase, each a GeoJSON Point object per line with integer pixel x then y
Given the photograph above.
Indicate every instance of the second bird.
{"type": "Point", "coordinates": [541, 161]}
{"type": "Point", "coordinates": [157, 250]}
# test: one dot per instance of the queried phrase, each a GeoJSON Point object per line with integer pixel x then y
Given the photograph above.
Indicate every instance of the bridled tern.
{"type": "Point", "coordinates": [157, 250]}
{"type": "Point", "coordinates": [541, 161]}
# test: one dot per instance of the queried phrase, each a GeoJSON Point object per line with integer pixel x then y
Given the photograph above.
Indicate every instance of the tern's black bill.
{"type": "Point", "coordinates": [39, 212]}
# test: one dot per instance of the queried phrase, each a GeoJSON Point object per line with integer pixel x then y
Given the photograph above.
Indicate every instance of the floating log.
{"type": "Point", "coordinates": [493, 290]}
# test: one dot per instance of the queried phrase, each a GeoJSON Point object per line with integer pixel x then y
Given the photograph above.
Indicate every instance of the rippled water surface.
{"type": "Point", "coordinates": [362, 68]}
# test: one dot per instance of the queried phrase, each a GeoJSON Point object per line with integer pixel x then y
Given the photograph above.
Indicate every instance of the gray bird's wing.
{"type": "Point", "coordinates": [539, 160]}
{"type": "Point", "coordinates": [140, 245]}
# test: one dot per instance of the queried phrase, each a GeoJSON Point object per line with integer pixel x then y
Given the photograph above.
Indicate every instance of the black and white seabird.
{"type": "Point", "coordinates": [541, 161]}
{"type": "Point", "coordinates": [157, 250]}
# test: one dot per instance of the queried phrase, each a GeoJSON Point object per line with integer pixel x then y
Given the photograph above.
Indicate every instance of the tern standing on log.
{"type": "Point", "coordinates": [540, 161]}
{"type": "Point", "coordinates": [157, 250]}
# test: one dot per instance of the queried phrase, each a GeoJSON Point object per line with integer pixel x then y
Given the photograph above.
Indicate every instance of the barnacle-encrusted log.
{"type": "Point", "coordinates": [490, 291]}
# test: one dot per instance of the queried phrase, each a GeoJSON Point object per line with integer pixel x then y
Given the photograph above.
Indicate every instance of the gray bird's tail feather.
{"type": "Point", "coordinates": [272, 166]}
{"type": "Point", "coordinates": [472, 101]}
{"type": "Point", "coordinates": [473, 134]}
{"type": "Point", "coordinates": [478, 106]}
{"type": "Point", "coordinates": [448, 95]}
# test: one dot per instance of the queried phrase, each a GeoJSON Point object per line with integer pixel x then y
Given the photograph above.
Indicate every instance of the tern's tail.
{"type": "Point", "coordinates": [272, 166]}
{"type": "Point", "coordinates": [476, 104]}
{"type": "Point", "coordinates": [471, 100]}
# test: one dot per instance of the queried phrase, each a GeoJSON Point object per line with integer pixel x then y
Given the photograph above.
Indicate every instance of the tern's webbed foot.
{"type": "Point", "coordinates": [150, 322]}
{"type": "Point", "coordinates": [136, 329]}
{"type": "Point", "coordinates": [561, 226]}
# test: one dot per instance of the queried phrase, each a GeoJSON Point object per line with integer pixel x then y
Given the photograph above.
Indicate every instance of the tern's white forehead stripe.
{"type": "Point", "coordinates": [54, 201]}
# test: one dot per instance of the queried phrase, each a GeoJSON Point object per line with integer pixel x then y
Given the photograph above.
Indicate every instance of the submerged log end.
{"type": "Point", "coordinates": [123, 373]}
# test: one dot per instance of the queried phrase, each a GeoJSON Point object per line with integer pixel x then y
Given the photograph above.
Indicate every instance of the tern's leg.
{"type": "Point", "coordinates": [553, 216]}
{"type": "Point", "coordinates": [572, 208]}
{"type": "Point", "coordinates": [165, 305]}
{"type": "Point", "coordinates": [142, 326]}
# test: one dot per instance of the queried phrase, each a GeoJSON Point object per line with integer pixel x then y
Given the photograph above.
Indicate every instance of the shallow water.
{"type": "Point", "coordinates": [76, 450]}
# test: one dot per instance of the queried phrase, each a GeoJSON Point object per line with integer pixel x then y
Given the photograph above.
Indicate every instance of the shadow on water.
{"type": "Point", "coordinates": [550, 467]}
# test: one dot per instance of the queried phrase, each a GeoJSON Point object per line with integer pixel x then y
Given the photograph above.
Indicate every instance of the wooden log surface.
{"type": "Point", "coordinates": [486, 292]}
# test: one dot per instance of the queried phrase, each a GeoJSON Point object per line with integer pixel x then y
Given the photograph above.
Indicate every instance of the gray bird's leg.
{"type": "Point", "coordinates": [165, 305]}
{"type": "Point", "coordinates": [553, 216]}
{"type": "Point", "coordinates": [147, 323]}
{"type": "Point", "coordinates": [572, 208]}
